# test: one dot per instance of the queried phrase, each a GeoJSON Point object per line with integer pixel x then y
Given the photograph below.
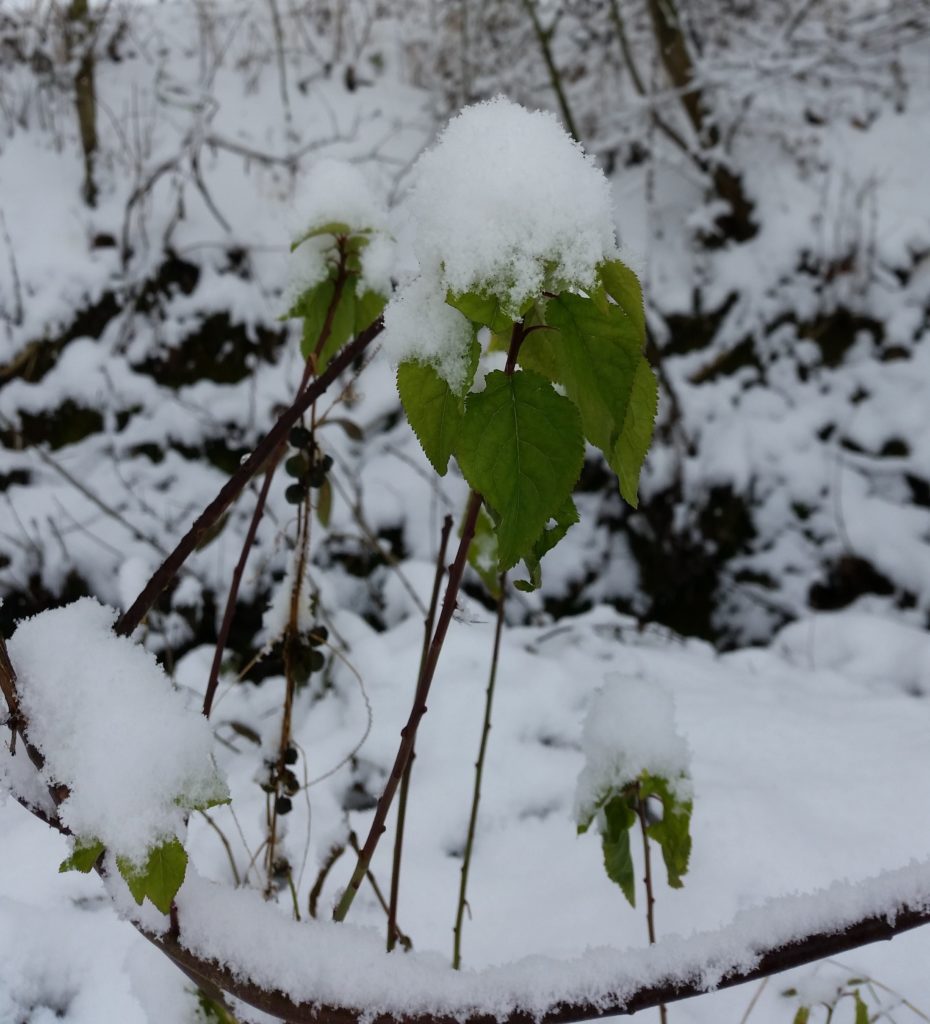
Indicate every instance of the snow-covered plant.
{"type": "Point", "coordinates": [635, 756]}
{"type": "Point", "coordinates": [518, 256]}
{"type": "Point", "coordinates": [134, 762]}
{"type": "Point", "coordinates": [339, 267]}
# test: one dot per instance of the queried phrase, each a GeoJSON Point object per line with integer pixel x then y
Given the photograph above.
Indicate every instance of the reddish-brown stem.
{"type": "Point", "coordinates": [290, 681]}
{"type": "Point", "coordinates": [516, 340]}
{"type": "Point", "coordinates": [309, 371]}
{"type": "Point", "coordinates": [479, 772]}
{"type": "Point", "coordinates": [392, 935]}
{"type": "Point", "coordinates": [647, 879]}
{"type": "Point", "coordinates": [409, 732]}
{"type": "Point", "coordinates": [233, 487]}
{"type": "Point", "coordinates": [233, 595]}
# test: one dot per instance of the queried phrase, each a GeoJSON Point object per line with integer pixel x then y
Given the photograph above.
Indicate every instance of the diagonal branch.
{"type": "Point", "coordinates": [239, 480]}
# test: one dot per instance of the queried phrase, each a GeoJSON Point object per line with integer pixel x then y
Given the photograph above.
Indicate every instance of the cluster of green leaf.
{"type": "Point", "coordinates": [519, 438]}
{"type": "Point", "coordinates": [162, 874]}
{"type": "Point", "coordinates": [619, 810]}
{"type": "Point", "coordinates": [353, 311]}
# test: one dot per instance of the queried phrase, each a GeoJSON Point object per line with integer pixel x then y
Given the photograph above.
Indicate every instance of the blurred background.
{"type": "Point", "coordinates": [768, 161]}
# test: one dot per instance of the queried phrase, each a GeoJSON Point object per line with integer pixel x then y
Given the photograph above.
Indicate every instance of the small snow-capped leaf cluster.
{"type": "Point", "coordinates": [341, 254]}
{"type": "Point", "coordinates": [636, 771]}
{"type": "Point", "coordinates": [135, 759]}
{"type": "Point", "coordinates": [518, 254]}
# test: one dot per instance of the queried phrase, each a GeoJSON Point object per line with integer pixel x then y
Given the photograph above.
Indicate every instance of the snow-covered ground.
{"type": "Point", "coordinates": [796, 477]}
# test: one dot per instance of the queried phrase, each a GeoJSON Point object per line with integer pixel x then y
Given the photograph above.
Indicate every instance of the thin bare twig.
{"type": "Point", "coordinates": [405, 782]}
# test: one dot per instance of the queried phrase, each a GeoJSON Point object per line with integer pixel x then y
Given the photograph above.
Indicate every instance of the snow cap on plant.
{"type": "Point", "coordinates": [629, 729]}
{"type": "Point", "coordinates": [504, 206]}
{"type": "Point", "coordinates": [337, 198]}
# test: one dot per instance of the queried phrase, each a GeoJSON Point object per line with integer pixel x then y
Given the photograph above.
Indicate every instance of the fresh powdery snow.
{"type": "Point", "coordinates": [342, 965]}
{"type": "Point", "coordinates": [504, 204]}
{"type": "Point", "coordinates": [112, 729]}
{"type": "Point", "coordinates": [335, 192]}
{"type": "Point", "coordinates": [419, 324]}
{"type": "Point", "coordinates": [629, 729]}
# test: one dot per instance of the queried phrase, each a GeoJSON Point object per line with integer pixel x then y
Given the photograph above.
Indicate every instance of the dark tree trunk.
{"type": "Point", "coordinates": [676, 59]}
{"type": "Point", "coordinates": [79, 39]}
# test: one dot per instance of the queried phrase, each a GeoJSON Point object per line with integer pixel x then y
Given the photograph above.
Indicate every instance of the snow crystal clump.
{"type": "Point", "coordinates": [419, 325]}
{"type": "Point", "coordinates": [112, 730]}
{"type": "Point", "coordinates": [338, 193]}
{"type": "Point", "coordinates": [506, 202]}
{"type": "Point", "coordinates": [629, 729]}
{"type": "Point", "coordinates": [507, 205]}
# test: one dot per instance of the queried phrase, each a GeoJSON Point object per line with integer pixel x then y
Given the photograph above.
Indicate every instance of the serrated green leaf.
{"type": "Point", "coordinates": [564, 518]}
{"type": "Point", "coordinates": [433, 410]}
{"type": "Point", "coordinates": [83, 857]}
{"type": "Point", "coordinates": [673, 832]}
{"type": "Point", "coordinates": [482, 553]}
{"type": "Point", "coordinates": [161, 876]}
{"type": "Point", "coordinates": [482, 309]}
{"type": "Point", "coordinates": [521, 447]}
{"type": "Point", "coordinates": [623, 287]}
{"type": "Point", "coordinates": [629, 452]}
{"type": "Point", "coordinates": [619, 818]}
{"type": "Point", "coordinates": [595, 355]}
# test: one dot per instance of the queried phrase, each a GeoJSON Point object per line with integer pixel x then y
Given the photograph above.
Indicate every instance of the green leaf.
{"type": "Point", "coordinates": [220, 800]}
{"type": "Point", "coordinates": [862, 1011]}
{"type": "Point", "coordinates": [160, 878]}
{"type": "Point", "coordinates": [368, 307]}
{"type": "Point", "coordinates": [596, 355]}
{"type": "Point", "coordinates": [83, 857]}
{"type": "Point", "coordinates": [482, 553]}
{"type": "Point", "coordinates": [566, 517]}
{"type": "Point", "coordinates": [673, 832]}
{"type": "Point", "coordinates": [315, 310]}
{"type": "Point", "coordinates": [631, 446]}
{"type": "Point", "coordinates": [333, 227]}
{"type": "Point", "coordinates": [482, 309]}
{"type": "Point", "coordinates": [803, 1015]}
{"type": "Point", "coordinates": [324, 503]}
{"type": "Point", "coordinates": [434, 412]}
{"type": "Point", "coordinates": [349, 427]}
{"type": "Point", "coordinates": [619, 818]}
{"type": "Point", "coordinates": [521, 447]}
{"type": "Point", "coordinates": [623, 287]}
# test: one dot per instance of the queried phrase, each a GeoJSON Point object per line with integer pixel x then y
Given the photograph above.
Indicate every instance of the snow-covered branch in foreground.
{"type": "Point", "coordinates": [233, 941]}
{"type": "Point", "coordinates": [321, 971]}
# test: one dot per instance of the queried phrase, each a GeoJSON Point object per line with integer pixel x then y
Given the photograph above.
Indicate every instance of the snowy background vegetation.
{"type": "Point", "coordinates": [768, 164]}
